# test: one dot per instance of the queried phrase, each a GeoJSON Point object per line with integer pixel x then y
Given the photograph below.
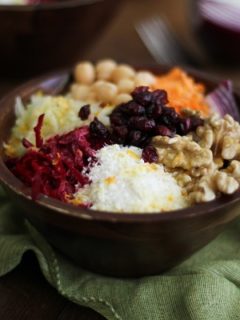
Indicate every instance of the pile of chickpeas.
{"type": "Point", "coordinates": [107, 82]}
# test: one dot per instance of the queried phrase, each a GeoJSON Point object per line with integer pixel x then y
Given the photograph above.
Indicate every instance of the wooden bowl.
{"type": "Point", "coordinates": [37, 38]}
{"type": "Point", "coordinates": [126, 245]}
{"type": "Point", "coordinates": [220, 40]}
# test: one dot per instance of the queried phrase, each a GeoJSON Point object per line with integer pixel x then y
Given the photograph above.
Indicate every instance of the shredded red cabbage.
{"type": "Point", "coordinates": [222, 100]}
{"type": "Point", "coordinates": [26, 143]}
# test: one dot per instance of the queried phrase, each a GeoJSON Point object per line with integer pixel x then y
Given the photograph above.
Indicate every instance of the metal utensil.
{"type": "Point", "coordinates": [162, 42]}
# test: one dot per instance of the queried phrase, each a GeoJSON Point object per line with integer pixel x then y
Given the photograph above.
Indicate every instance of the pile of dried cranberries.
{"type": "Point", "coordinates": [137, 121]}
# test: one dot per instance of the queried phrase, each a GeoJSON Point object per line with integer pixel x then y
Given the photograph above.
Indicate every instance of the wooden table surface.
{"type": "Point", "coordinates": [24, 293]}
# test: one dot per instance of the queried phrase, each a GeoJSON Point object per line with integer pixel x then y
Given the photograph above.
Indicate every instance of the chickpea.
{"type": "Point", "coordinates": [105, 91]}
{"type": "Point", "coordinates": [126, 85]}
{"type": "Point", "coordinates": [104, 69]}
{"type": "Point", "coordinates": [92, 95]}
{"type": "Point", "coordinates": [144, 78]}
{"type": "Point", "coordinates": [84, 73]}
{"type": "Point", "coordinates": [122, 71]}
{"type": "Point", "coordinates": [122, 98]}
{"type": "Point", "coordinates": [80, 91]}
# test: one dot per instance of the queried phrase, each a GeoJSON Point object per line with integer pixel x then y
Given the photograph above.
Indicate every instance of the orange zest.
{"type": "Point", "coordinates": [183, 91]}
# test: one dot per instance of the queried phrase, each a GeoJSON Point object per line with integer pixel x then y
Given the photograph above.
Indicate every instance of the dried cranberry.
{"type": "Point", "coordinates": [155, 111]}
{"type": "Point", "coordinates": [196, 122]}
{"type": "Point", "coordinates": [119, 134]}
{"type": "Point", "coordinates": [142, 95]}
{"type": "Point", "coordinates": [148, 115]}
{"type": "Point", "coordinates": [149, 154]}
{"type": "Point", "coordinates": [163, 131]}
{"type": "Point", "coordinates": [142, 123]}
{"type": "Point", "coordinates": [134, 109]}
{"type": "Point", "coordinates": [121, 108]}
{"type": "Point", "coordinates": [121, 131]}
{"type": "Point", "coordinates": [148, 125]}
{"type": "Point", "coordinates": [170, 112]}
{"type": "Point", "coordinates": [149, 111]}
{"type": "Point", "coordinates": [117, 119]}
{"type": "Point", "coordinates": [144, 141]}
{"type": "Point", "coordinates": [139, 90]}
{"type": "Point", "coordinates": [84, 112]}
{"type": "Point", "coordinates": [132, 122]}
{"type": "Point", "coordinates": [98, 130]}
{"type": "Point", "coordinates": [159, 97]}
{"type": "Point", "coordinates": [184, 126]}
{"type": "Point", "coordinates": [166, 120]}
{"type": "Point", "coordinates": [134, 137]}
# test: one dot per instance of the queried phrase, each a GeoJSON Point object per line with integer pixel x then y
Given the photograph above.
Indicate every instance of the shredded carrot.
{"type": "Point", "coordinates": [183, 91]}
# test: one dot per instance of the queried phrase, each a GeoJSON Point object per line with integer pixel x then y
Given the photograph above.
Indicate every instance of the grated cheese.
{"type": "Point", "coordinates": [122, 182]}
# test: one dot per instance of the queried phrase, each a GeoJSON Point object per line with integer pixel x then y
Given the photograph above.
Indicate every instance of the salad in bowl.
{"type": "Point", "coordinates": [128, 141]}
{"type": "Point", "coordinates": [126, 171]}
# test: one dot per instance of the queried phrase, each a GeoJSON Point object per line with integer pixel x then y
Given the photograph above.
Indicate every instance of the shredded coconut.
{"type": "Point", "coordinates": [122, 182]}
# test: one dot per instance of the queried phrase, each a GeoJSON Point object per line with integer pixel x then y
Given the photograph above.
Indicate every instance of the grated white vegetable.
{"type": "Point", "coordinates": [122, 182]}
{"type": "Point", "coordinates": [61, 116]}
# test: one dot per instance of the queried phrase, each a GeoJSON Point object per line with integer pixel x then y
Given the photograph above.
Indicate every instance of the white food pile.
{"type": "Point", "coordinates": [122, 182]}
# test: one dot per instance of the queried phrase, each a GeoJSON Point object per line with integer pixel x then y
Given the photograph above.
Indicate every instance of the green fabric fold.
{"type": "Point", "coordinates": [206, 286]}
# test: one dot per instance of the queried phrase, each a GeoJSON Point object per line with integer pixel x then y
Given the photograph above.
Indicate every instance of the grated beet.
{"type": "Point", "coordinates": [55, 169]}
{"type": "Point", "coordinates": [37, 130]}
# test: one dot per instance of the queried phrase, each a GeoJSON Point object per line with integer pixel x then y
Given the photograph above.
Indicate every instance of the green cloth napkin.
{"type": "Point", "coordinates": [205, 287]}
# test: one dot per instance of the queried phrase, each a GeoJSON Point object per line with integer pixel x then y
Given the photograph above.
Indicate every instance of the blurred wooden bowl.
{"type": "Point", "coordinates": [43, 37]}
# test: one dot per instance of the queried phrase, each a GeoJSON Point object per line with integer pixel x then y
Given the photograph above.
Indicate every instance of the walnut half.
{"type": "Point", "coordinates": [182, 152]}
{"type": "Point", "coordinates": [208, 187]}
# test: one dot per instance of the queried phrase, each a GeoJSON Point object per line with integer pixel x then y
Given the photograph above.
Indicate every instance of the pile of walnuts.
{"type": "Point", "coordinates": [205, 163]}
